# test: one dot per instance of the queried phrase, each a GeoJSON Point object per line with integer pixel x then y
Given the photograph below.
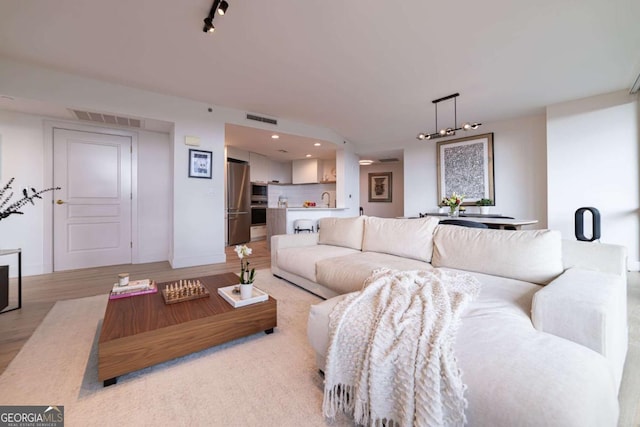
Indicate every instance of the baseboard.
{"type": "Point", "coordinates": [181, 262]}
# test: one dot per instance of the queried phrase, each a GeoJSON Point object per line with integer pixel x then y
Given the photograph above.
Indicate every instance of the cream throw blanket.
{"type": "Point", "coordinates": [390, 360]}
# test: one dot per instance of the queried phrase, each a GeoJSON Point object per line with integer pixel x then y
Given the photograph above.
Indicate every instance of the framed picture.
{"type": "Point", "coordinates": [380, 186]}
{"type": "Point", "coordinates": [200, 164]}
{"type": "Point", "coordinates": [465, 166]}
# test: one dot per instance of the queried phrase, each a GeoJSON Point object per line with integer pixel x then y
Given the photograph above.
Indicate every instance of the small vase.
{"type": "Point", "coordinates": [453, 212]}
{"type": "Point", "coordinates": [484, 210]}
{"type": "Point", "coordinates": [246, 290]}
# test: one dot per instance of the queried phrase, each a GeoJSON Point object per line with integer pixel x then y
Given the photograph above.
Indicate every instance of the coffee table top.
{"type": "Point", "coordinates": [142, 313]}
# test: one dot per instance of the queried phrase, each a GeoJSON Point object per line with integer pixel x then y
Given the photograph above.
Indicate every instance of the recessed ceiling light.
{"type": "Point", "coordinates": [365, 162]}
{"type": "Point", "coordinates": [274, 136]}
{"type": "Point", "coordinates": [308, 155]}
{"type": "Point", "coordinates": [317, 144]}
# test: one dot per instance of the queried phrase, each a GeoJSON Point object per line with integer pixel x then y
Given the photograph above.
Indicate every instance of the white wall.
{"type": "Point", "coordinates": [23, 144]}
{"type": "Point", "coordinates": [348, 185]}
{"type": "Point", "coordinates": [593, 160]}
{"type": "Point", "coordinates": [383, 209]}
{"type": "Point", "coordinates": [519, 171]}
{"type": "Point", "coordinates": [198, 235]}
{"type": "Point", "coordinates": [154, 196]}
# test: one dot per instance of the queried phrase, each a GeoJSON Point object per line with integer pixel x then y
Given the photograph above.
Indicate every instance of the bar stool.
{"type": "Point", "coordinates": [303, 225]}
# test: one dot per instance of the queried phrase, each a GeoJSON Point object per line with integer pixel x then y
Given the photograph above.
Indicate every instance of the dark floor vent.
{"type": "Point", "coordinates": [262, 119]}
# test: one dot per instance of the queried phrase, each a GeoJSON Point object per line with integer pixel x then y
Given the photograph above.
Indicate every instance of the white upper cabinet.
{"type": "Point", "coordinates": [280, 172]}
{"type": "Point", "coordinates": [305, 171]}
{"type": "Point", "coordinates": [259, 167]}
{"type": "Point", "coordinates": [312, 171]}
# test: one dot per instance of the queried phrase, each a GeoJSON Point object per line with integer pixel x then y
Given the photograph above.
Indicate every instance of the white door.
{"type": "Point", "coordinates": [92, 212]}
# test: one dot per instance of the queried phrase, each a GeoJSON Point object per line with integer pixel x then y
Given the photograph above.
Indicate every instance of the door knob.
{"type": "Point", "coordinates": [59, 202]}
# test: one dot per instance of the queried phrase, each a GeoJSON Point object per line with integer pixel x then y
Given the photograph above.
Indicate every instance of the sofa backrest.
{"type": "Point", "coordinates": [530, 255]}
{"type": "Point", "coordinates": [408, 238]}
{"type": "Point", "coordinates": [346, 232]}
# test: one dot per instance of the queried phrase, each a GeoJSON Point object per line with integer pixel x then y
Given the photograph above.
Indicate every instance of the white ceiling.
{"type": "Point", "coordinates": [261, 142]}
{"type": "Point", "coordinates": [366, 69]}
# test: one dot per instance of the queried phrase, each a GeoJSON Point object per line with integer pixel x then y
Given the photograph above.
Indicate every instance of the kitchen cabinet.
{"type": "Point", "coordinates": [259, 167]}
{"type": "Point", "coordinates": [313, 171]}
{"type": "Point", "coordinates": [280, 172]}
{"type": "Point", "coordinates": [305, 171]}
{"type": "Point", "coordinates": [276, 223]}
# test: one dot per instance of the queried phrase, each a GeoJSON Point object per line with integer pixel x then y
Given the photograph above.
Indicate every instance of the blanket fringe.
{"type": "Point", "coordinates": [340, 399]}
{"type": "Point", "coordinates": [337, 399]}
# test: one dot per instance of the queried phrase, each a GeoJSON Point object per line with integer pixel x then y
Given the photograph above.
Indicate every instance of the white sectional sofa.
{"type": "Point", "coordinates": [543, 344]}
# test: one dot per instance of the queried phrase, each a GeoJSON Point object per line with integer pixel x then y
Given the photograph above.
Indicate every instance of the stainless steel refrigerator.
{"type": "Point", "coordinates": [238, 203]}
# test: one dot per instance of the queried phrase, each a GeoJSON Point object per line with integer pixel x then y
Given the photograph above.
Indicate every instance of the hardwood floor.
{"type": "Point", "coordinates": [40, 293]}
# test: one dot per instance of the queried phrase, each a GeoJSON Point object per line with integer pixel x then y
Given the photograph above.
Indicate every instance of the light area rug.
{"type": "Point", "coordinates": [261, 380]}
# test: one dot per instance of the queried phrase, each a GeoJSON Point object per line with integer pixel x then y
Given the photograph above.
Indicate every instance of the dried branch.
{"type": "Point", "coordinates": [14, 208]}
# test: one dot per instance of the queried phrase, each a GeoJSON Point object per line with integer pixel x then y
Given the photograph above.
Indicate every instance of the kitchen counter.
{"type": "Point", "coordinates": [281, 220]}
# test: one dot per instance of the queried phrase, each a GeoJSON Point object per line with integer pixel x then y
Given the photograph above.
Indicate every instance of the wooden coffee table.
{"type": "Point", "coordinates": [142, 331]}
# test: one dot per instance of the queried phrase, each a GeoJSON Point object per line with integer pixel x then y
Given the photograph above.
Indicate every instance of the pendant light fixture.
{"type": "Point", "coordinates": [450, 130]}
{"type": "Point", "coordinates": [221, 7]}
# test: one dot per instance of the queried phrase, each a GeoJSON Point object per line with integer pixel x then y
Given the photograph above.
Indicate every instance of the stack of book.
{"type": "Point", "coordinates": [135, 287]}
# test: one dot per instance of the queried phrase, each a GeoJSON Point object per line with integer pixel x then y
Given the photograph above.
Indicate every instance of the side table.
{"type": "Point", "coordinates": [4, 287]}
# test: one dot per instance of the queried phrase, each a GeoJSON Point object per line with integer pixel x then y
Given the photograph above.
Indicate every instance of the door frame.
{"type": "Point", "coordinates": [49, 126]}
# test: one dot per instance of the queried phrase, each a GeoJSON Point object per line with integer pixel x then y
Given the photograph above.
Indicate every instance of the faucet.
{"type": "Point", "coordinates": [328, 198]}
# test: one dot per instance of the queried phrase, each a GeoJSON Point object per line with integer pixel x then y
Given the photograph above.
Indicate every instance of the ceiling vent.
{"type": "Point", "coordinates": [107, 119]}
{"type": "Point", "coordinates": [389, 160]}
{"type": "Point", "coordinates": [262, 119]}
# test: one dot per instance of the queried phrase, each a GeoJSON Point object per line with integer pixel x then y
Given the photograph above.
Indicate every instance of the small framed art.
{"type": "Point", "coordinates": [200, 164]}
{"type": "Point", "coordinates": [380, 186]}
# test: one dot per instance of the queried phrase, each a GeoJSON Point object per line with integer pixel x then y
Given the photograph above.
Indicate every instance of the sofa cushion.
{"type": "Point", "coordinates": [346, 232]}
{"type": "Point", "coordinates": [409, 238]}
{"type": "Point", "coordinates": [302, 260]}
{"type": "Point", "coordinates": [532, 255]}
{"type": "Point", "coordinates": [347, 273]}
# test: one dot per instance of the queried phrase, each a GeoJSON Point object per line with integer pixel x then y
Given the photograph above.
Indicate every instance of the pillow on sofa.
{"type": "Point", "coordinates": [532, 255]}
{"type": "Point", "coordinates": [346, 232]}
{"type": "Point", "coordinates": [408, 238]}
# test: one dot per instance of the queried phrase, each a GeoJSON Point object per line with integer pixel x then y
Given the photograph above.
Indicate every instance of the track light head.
{"type": "Point", "coordinates": [208, 25]}
{"type": "Point", "coordinates": [222, 9]}
{"type": "Point", "coordinates": [421, 136]}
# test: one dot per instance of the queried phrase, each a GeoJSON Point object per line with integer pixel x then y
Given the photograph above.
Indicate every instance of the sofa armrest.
{"type": "Point", "coordinates": [282, 241]}
{"type": "Point", "coordinates": [588, 308]}
{"type": "Point", "coordinates": [597, 256]}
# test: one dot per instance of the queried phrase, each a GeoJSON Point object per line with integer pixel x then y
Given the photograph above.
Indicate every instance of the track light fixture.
{"type": "Point", "coordinates": [448, 131]}
{"type": "Point", "coordinates": [208, 25]}
{"type": "Point", "coordinates": [221, 7]}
